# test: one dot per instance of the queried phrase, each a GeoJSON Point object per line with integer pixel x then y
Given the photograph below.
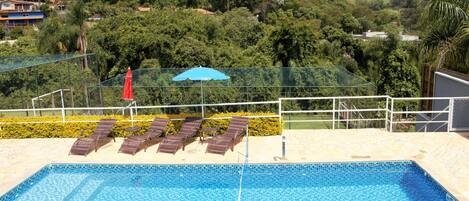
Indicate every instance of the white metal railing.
{"type": "Point", "coordinates": [335, 110]}
{"type": "Point", "coordinates": [341, 113]}
{"type": "Point", "coordinates": [132, 108]}
{"type": "Point", "coordinates": [385, 109]}
{"type": "Point", "coordinates": [348, 116]}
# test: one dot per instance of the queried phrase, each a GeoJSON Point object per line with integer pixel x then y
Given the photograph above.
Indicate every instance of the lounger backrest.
{"type": "Point", "coordinates": [190, 126]}
{"type": "Point", "coordinates": [104, 127]}
{"type": "Point", "coordinates": [159, 123]}
{"type": "Point", "coordinates": [107, 121]}
{"type": "Point", "coordinates": [157, 126]}
{"type": "Point", "coordinates": [237, 125]}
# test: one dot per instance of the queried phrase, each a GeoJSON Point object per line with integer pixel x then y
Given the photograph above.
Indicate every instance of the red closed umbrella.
{"type": "Point", "coordinates": [127, 91]}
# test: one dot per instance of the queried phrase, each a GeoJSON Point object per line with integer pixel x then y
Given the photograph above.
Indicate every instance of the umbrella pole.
{"type": "Point", "coordinates": [202, 94]}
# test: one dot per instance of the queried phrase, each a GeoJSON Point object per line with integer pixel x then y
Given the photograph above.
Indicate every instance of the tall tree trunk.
{"type": "Point", "coordinates": [84, 64]}
{"type": "Point", "coordinates": [83, 45]}
{"type": "Point", "coordinates": [429, 70]}
{"type": "Point", "coordinates": [427, 86]}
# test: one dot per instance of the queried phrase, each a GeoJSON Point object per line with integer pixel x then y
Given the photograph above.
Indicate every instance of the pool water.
{"type": "Point", "coordinates": [397, 180]}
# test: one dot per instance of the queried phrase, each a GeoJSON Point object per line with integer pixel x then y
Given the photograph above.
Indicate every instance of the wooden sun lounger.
{"type": "Point", "coordinates": [101, 136]}
{"type": "Point", "coordinates": [232, 136]}
{"type": "Point", "coordinates": [171, 144]}
{"type": "Point", "coordinates": [135, 143]}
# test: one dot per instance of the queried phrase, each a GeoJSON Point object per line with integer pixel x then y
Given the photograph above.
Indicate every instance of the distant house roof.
{"type": "Point", "coordinates": [11, 5]}
{"type": "Point", "coordinates": [18, 2]}
{"type": "Point", "coordinates": [409, 37]}
{"type": "Point", "coordinates": [379, 34]}
{"type": "Point", "coordinates": [143, 9]}
{"type": "Point", "coordinates": [203, 11]}
{"type": "Point", "coordinates": [10, 42]}
{"type": "Point", "coordinates": [95, 17]}
{"type": "Point", "coordinates": [375, 34]}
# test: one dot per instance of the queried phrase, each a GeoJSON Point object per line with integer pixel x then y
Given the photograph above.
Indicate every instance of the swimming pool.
{"type": "Point", "coordinates": [395, 180]}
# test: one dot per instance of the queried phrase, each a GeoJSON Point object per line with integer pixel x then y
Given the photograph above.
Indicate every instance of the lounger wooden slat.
{"type": "Point", "coordinates": [152, 136]}
{"type": "Point", "coordinates": [232, 136]}
{"type": "Point", "coordinates": [101, 136]}
{"type": "Point", "coordinates": [171, 144]}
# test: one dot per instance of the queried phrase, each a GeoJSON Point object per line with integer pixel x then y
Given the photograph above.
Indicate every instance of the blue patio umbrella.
{"type": "Point", "coordinates": [201, 74]}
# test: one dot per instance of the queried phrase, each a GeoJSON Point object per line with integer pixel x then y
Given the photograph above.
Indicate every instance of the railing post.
{"type": "Point", "coordinates": [280, 108]}
{"type": "Point", "coordinates": [333, 113]}
{"type": "Point", "coordinates": [450, 114]}
{"type": "Point", "coordinates": [136, 110]}
{"type": "Point", "coordinates": [63, 105]}
{"type": "Point", "coordinates": [284, 138]}
{"type": "Point", "coordinates": [348, 117]}
{"type": "Point", "coordinates": [392, 114]}
{"type": "Point", "coordinates": [284, 149]}
{"type": "Point", "coordinates": [34, 107]}
{"type": "Point", "coordinates": [338, 113]}
{"type": "Point", "coordinates": [246, 159]}
{"type": "Point", "coordinates": [131, 116]}
{"type": "Point", "coordinates": [387, 116]}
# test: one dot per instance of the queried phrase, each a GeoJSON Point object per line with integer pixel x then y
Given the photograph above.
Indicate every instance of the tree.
{"type": "Point", "coordinates": [25, 45]}
{"type": "Point", "coordinates": [295, 40]}
{"type": "Point", "coordinates": [190, 52]}
{"type": "Point", "coordinates": [347, 44]}
{"type": "Point", "coordinates": [445, 41]}
{"type": "Point", "coordinates": [226, 5]}
{"type": "Point", "coordinates": [242, 27]}
{"type": "Point", "coordinates": [447, 35]}
{"type": "Point", "coordinates": [410, 13]}
{"type": "Point", "coordinates": [76, 17]}
{"type": "Point", "coordinates": [55, 37]}
{"type": "Point", "coordinates": [399, 78]}
{"type": "Point", "coordinates": [45, 7]}
{"type": "Point", "coordinates": [350, 24]}
{"type": "Point", "coordinates": [390, 67]}
{"type": "Point", "coordinates": [2, 34]}
{"type": "Point", "coordinates": [16, 33]}
{"type": "Point", "coordinates": [61, 35]}
{"type": "Point", "coordinates": [377, 4]}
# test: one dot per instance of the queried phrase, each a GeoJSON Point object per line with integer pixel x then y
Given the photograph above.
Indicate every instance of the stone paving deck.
{"type": "Point", "coordinates": [444, 155]}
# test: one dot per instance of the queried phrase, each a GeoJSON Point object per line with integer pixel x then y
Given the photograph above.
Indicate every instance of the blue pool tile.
{"type": "Point", "coordinates": [393, 180]}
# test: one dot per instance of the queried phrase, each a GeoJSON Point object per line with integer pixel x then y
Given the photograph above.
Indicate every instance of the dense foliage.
{"type": "Point", "coordinates": [254, 33]}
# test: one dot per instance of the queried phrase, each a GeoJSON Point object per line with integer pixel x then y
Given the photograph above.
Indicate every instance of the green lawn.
{"type": "Point", "coordinates": [308, 125]}
{"type": "Point", "coordinates": [30, 113]}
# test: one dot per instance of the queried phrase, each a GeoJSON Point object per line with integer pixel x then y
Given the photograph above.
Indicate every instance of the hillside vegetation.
{"type": "Point", "coordinates": [259, 33]}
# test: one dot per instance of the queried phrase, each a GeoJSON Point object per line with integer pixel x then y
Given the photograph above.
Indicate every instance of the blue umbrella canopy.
{"type": "Point", "coordinates": [202, 74]}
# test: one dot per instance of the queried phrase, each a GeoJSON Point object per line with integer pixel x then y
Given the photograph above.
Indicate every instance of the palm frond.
{"type": "Point", "coordinates": [446, 39]}
{"type": "Point", "coordinates": [454, 11]}
{"type": "Point", "coordinates": [435, 36]}
{"type": "Point", "coordinates": [463, 32]}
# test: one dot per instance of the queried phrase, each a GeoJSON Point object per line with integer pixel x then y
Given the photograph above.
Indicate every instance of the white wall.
{"type": "Point", "coordinates": [7, 6]}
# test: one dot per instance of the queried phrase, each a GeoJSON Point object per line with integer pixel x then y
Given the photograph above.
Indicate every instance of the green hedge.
{"type": "Point", "coordinates": [13, 129]}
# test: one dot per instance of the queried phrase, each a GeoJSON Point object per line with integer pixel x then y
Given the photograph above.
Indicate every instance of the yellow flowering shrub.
{"type": "Point", "coordinates": [48, 127]}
